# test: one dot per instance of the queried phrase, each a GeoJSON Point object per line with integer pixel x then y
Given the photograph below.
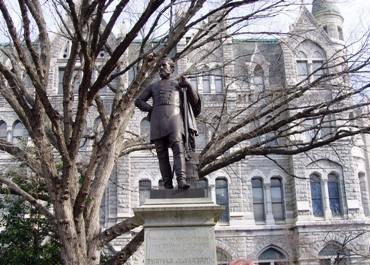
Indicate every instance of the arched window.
{"type": "Point", "coordinates": [310, 60]}
{"type": "Point", "coordinates": [258, 80]}
{"type": "Point", "coordinates": [223, 258]}
{"type": "Point", "coordinates": [302, 67]}
{"type": "Point", "coordinates": [334, 194]}
{"type": "Point", "coordinates": [277, 198]}
{"type": "Point", "coordinates": [258, 199]}
{"type": "Point", "coordinates": [333, 253]}
{"type": "Point", "coordinates": [272, 256]}
{"type": "Point", "coordinates": [316, 195]}
{"type": "Point", "coordinates": [317, 65]}
{"type": "Point", "coordinates": [144, 190]}
{"type": "Point", "coordinates": [222, 198]}
{"type": "Point", "coordinates": [19, 133]}
{"type": "Point", "coordinates": [340, 33]}
{"type": "Point", "coordinates": [3, 131]}
{"type": "Point", "coordinates": [145, 128]}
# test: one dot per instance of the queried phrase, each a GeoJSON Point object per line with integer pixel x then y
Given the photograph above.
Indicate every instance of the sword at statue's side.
{"type": "Point", "coordinates": [186, 122]}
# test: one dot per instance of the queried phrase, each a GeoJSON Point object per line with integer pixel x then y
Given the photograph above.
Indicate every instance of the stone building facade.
{"type": "Point", "coordinates": [271, 217]}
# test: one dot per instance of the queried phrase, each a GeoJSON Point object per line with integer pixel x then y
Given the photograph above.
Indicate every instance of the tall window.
{"type": "Point", "coordinates": [310, 60]}
{"type": "Point", "coordinates": [272, 256]}
{"type": "Point", "coordinates": [75, 81]}
{"type": "Point", "coordinates": [206, 84]}
{"type": "Point", "coordinates": [203, 184]}
{"type": "Point", "coordinates": [194, 83]}
{"type": "Point", "coordinates": [316, 195]}
{"type": "Point", "coordinates": [258, 199]}
{"type": "Point", "coordinates": [277, 198]}
{"type": "Point", "coordinates": [145, 128]}
{"type": "Point", "coordinates": [334, 200]}
{"type": "Point", "coordinates": [317, 66]}
{"type": "Point", "coordinates": [217, 73]}
{"type": "Point", "coordinates": [302, 70]}
{"type": "Point", "coordinates": [19, 134]}
{"type": "Point", "coordinates": [222, 198]}
{"type": "Point", "coordinates": [144, 190]}
{"type": "Point", "coordinates": [258, 80]}
{"type": "Point", "coordinates": [3, 131]}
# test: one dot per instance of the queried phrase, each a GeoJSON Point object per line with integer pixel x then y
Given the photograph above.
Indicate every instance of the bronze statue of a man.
{"type": "Point", "coordinates": [175, 106]}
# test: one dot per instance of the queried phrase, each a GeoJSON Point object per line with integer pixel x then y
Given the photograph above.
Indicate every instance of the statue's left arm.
{"type": "Point", "coordinates": [192, 95]}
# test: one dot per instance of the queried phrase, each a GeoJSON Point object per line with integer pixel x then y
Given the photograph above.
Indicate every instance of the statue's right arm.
{"type": "Point", "coordinates": [141, 100]}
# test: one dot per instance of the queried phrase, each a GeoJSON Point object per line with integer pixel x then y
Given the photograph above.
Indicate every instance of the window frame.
{"type": "Point", "coordinates": [225, 217]}
{"type": "Point", "coordinates": [281, 202]}
{"type": "Point", "coordinates": [334, 179]}
{"type": "Point", "coordinates": [315, 180]}
{"type": "Point", "coordinates": [261, 203]}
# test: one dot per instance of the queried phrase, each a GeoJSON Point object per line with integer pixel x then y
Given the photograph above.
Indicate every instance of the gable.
{"type": "Point", "coordinates": [304, 21]}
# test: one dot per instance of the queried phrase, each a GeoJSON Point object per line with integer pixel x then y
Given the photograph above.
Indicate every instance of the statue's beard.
{"type": "Point", "coordinates": [164, 74]}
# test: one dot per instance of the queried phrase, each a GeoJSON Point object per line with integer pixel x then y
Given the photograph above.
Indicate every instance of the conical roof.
{"type": "Point", "coordinates": [324, 6]}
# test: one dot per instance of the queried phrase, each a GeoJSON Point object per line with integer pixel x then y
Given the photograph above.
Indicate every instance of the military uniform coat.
{"type": "Point", "coordinates": [167, 113]}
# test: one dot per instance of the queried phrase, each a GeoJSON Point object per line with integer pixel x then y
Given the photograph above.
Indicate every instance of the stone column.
{"type": "Point", "coordinates": [179, 231]}
{"type": "Point", "coordinates": [326, 202]}
{"type": "Point", "coordinates": [269, 217]}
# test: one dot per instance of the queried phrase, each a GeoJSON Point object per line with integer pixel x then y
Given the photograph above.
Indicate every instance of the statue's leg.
{"type": "Point", "coordinates": [179, 166]}
{"type": "Point", "coordinates": [164, 162]}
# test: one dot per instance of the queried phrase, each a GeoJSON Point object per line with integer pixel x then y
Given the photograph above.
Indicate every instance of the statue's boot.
{"type": "Point", "coordinates": [165, 168]}
{"type": "Point", "coordinates": [179, 165]}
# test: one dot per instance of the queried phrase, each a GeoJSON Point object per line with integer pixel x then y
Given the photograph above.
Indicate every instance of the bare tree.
{"type": "Point", "coordinates": [333, 243]}
{"type": "Point", "coordinates": [76, 184]}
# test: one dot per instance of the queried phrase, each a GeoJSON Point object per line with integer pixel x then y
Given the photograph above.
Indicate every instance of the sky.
{"type": "Point", "coordinates": [356, 15]}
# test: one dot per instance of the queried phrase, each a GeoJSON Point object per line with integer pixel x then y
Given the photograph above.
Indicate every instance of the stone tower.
{"type": "Point", "coordinates": [328, 16]}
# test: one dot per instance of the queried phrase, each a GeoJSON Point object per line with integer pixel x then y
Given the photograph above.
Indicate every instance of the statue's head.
{"type": "Point", "coordinates": [166, 68]}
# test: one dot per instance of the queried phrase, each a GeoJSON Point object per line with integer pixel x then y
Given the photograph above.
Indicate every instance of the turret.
{"type": "Point", "coordinates": [327, 14]}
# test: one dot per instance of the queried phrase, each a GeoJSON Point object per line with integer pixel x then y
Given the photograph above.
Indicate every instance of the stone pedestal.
{"type": "Point", "coordinates": [179, 231]}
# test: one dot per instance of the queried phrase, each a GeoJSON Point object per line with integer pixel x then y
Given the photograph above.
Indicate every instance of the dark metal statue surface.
{"type": "Point", "coordinates": [176, 104]}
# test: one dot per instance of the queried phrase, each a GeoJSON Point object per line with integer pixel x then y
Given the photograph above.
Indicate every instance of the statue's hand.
{"type": "Point", "coordinates": [184, 82]}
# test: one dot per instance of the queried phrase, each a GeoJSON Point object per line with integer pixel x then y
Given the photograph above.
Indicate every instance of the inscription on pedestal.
{"type": "Point", "coordinates": [187, 246]}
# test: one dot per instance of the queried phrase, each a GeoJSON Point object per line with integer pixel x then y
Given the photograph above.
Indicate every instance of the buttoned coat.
{"type": "Point", "coordinates": [167, 110]}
